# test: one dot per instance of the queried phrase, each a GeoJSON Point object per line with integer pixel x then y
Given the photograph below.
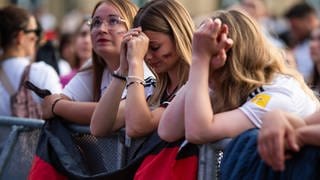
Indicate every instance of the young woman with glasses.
{"type": "Point", "coordinates": [110, 20]}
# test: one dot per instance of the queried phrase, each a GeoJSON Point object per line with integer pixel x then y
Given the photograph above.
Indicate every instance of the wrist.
{"type": "Point", "coordinates": [122, 71]}
{"type": "Point", "coordinates": [135, 63]}
{"type": "Point", "coordinates": [118, 75]}
{"type": "Point", "coordinates": [300, 134]}
{"type": "Point", "coordinates": [201, 60]}
{"type": "Point", "coordinates": [54, 105]}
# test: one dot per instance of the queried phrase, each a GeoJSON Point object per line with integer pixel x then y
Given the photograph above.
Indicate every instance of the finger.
{"type": "Point", "coordinates": [262, 148]}
{"type": "Point", "coordinates": [277, 151]}
{"type": "Point", "coordinates": [266, 156]}
{"type": "Point", "coordinates": [204, 23]}
{"type": "Point", "coordinates": [222, 41]}
{"type": "Point", "coordinates": [269, 149]}
{"type": "Point", "coordinates": [215, 27]}
{"type": "Point", "coordinates": [223, 29]}
{"type": "Point", "coordinates": [292, 141]}
{"type": "Point", "coordinates": [131, 34]}
{"type": "Point", "coordinates": [229, 44]}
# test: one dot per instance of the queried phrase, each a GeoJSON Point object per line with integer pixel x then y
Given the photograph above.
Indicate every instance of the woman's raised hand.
{"type": "Point", "coordinates": [137, 46]}
{"type": "Point", "coordinates": [210, 43]}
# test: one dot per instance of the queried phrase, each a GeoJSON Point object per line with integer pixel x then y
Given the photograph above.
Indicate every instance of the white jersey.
{"type": "Point", "coordinates": [41, 74]}
{"type": "Point", "coordinates": [80, 87]}
{"type": "Point", "coordinates": [284, 93]}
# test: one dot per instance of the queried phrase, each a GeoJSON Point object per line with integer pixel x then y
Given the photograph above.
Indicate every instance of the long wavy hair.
{"type": "Point", "coordinates": [171, 18]}
{"type": "Point", "coordinates": [251, 62]}
{"type": "Point", "coordinates": [128, 10]}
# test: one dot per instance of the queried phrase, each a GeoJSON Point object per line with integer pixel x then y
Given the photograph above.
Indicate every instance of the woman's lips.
{"type": "Point", "coordinates": [102, 40]}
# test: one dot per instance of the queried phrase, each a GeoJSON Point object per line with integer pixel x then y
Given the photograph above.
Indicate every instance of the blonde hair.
{"type": "Point", "coordinates": [128, 10]}
{"type": "Point", "coordinates": [251, 62]}
{"type": "Point", "coordinates": [171, 18]}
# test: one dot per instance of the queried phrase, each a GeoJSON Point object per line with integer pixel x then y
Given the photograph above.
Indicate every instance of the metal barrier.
{"type": "Point", "coordinates": [19, 137]}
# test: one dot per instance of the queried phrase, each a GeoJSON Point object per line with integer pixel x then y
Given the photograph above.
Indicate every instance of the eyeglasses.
{"type": "Point", "coordinates": [113, 21]}
{"type": "Point", "coordinates": [36, 31]}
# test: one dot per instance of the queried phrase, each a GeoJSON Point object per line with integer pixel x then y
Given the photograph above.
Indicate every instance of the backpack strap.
{"type": "Point", "coordinates": [25, 76]}
{"type": "Point", "coordinates": [6, 83]}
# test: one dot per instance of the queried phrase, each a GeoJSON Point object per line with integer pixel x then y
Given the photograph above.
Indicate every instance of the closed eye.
{"type": "Point", "coordinates": [154, 48]}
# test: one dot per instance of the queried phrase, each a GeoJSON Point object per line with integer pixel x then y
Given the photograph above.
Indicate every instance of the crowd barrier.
{"type": "Point", "coordinates": [19, 138]}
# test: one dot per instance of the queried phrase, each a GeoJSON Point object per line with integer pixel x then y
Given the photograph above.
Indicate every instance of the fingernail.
{"type": "Point", "coordinates": [217, 20]}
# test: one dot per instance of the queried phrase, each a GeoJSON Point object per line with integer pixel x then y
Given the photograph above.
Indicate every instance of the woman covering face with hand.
{"type": "Point", "coordinates": [110, 20]}
{"type": "Point", "coordinates": [236, 77]}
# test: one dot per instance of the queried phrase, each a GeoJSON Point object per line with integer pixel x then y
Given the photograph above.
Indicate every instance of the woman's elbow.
{"type": "Point", "coordinates": [136, 132]}
{"type": "Point", "coordinates": [196, 137]}
{"type": "Point", "coordinates": [164, 135]}
{"type": "Point", "coordinates": [98, 131]}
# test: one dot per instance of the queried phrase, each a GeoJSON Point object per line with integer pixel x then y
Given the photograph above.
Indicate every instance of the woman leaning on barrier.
{"type": "Point", "coordinates": [236, 77]}
{"type": "Point", "coordinates": [162, 38]}
{"type": "Point", "coordinates": [110, 20]}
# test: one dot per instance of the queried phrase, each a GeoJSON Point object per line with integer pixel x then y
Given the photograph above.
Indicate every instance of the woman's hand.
{"type": "Point", "coordinates": [277, 135]}
{"type": "Point", "coordinates": [123, 68]}
{"type": "Point", "coordinates": [210, 43]}
{"type": "Point", "coordinates": [47, 105]}
{"type": "Point", "coordinates": [137, 48]}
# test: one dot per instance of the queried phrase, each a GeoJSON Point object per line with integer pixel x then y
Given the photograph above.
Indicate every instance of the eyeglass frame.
{"type": "Point", "coordinates": [106, 20]}
{"type": "Point", "coordinates": [36, 31]}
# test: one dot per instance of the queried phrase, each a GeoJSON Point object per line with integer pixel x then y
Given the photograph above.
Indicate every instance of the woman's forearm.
{"type": "Point", "coordinates": [198, 110]}
{"type": "Point", "coordinates": [106, 115]}
{"type": "Point", "coordinates": [171, 125]}
{"type": "Point", "coordinates": [309, 135]}
{"type": "Point", "coordinates": [76, 112]}
{"type": "Point", "coordinates": [138, 117]}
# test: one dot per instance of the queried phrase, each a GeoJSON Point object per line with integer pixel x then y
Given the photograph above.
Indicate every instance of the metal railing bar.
{"type": "Point", "coordinates": [9, 145]}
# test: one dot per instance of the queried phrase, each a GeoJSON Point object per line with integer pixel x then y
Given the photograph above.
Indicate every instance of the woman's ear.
{"type": "Point", "coordinates": [19, 38]}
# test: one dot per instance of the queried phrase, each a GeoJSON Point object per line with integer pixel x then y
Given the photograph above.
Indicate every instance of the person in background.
{"type": "Point", "coordinates": [162, 38]}
{"type": "Point", "coordinates": [109, 21]}
{"type": "Point", "coordinates": [258, 10]}
{"type": "Point", "coordinates": [19, 34]}
{"type": "Point", "coordinates": [303, 20]}
{"type": "Point", "coordinates": [315, 56]}
{"type": "Point", "coordinates": [231, 87]}
{"type": "Point", "coordinates": [82, 50]}
{"type": "Point", "coordinates": [66, 53]}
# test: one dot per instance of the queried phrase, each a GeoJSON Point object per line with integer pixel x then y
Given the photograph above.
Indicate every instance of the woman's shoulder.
{"type": "Point", "coordinates": [282, 81]}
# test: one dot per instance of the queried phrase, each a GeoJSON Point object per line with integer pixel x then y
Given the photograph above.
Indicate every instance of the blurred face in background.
{"type": "Point", "coordinates": [255, 8]}
{"type": "Point", "coordinates": [315, 46]}
{"type": "Point", "coordinates": [302, 27]}
{"type": "Point", "coordinates": [30, 37]}
{"type": "Point", "coordinates": [83, 45]}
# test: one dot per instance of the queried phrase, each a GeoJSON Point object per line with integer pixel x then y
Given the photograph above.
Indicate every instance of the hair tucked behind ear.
{"type": "Point", "coordinates": [171, 18]}
{"type": "Point", "coordinates": [12, 20]}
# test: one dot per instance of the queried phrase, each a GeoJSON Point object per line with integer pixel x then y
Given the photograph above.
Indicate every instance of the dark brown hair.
{"type": "Point", "coordinates": [12, 20]}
